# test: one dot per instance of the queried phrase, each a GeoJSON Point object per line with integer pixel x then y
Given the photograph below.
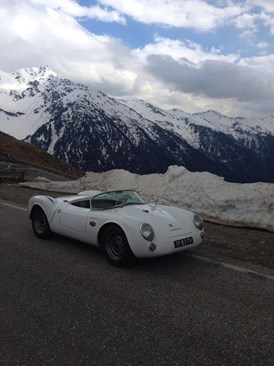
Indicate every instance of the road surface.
{"type": "Point", "coordinates": [62, 303]}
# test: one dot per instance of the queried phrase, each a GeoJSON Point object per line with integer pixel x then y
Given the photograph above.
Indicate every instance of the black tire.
{"type": "Point", "coordinates": [116, 246]}
{"type": "Point", "coordinates": [40, 223]}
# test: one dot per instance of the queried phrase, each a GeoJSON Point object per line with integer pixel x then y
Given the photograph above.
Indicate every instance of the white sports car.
{"type": "Point", "coordinates": [119, 222]}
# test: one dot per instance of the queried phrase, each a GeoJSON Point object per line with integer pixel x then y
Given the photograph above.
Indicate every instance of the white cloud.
{"type": "Point", "coordinates": [264, 12]}
{"type": "Point", "coordinates": [74, 9]}
{"type": "Point", "coordinates": [197, 14]}
{"type": "Point", "coordinates": [266, 5]}
{"type": "Point", "coordinates": [214, 79]}
{"type": "Point", "coordinates": [263, 64]}
{"type": "Point", "coordinates": [268, 20]}
{"type": "Point", "coordinates": [187, 50]}
{"type": "Point", "coordinates": [31, 34]}
{"type": "Point", "coordinates": [249, 36]}
{"type": "Point", "coordinates": [246, 20]}
{"type": "Point", "coordinates": [167, 72]}
{"type": "Point", "coordinates": [262, 45]}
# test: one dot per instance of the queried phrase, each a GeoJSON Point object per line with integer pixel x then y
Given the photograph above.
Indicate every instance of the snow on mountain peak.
{"type": "Point", "coordinates": [19, 79]}
{"type": "Point", "coordinates": [93, 131]}
{"type": "Point", "coordinates": [34, 73]}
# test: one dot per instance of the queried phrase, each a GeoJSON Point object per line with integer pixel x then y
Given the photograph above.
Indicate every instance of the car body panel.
{"type": "Point", "coordinates": [85, 223]}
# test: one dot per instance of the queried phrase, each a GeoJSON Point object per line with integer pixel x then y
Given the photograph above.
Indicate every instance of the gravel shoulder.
{"type": "Point", "coordinates": [241, 244]}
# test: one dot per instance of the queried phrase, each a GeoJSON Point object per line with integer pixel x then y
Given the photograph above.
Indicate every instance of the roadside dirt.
{"type": "Point", "coordinates": [242, 244]}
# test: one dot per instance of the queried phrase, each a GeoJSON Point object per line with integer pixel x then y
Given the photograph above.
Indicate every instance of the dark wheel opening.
{"type": "Point", "coordinates": [40, 224]}
{"type": "Point", "coordinates": [116, 246]}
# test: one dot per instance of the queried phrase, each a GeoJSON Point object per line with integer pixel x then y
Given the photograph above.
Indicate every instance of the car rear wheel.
{"type": "Point", "coordinates": [116, 246]}
{"type": "Point", "coordinates": [40, 223]}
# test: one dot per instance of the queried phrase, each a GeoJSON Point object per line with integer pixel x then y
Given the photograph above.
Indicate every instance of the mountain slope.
{"type": "Point", "coordinates": [20, 152]}
{"type": "Point", "coordinates": [93, 131]}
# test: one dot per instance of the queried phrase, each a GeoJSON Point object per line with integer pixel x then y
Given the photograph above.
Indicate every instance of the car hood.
{"type": "Point", "coordinates": [159, 217]}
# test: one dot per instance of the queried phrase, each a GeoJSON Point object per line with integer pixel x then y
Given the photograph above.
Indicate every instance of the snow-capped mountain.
{"type": "Point", "coordinates": [95, 132]}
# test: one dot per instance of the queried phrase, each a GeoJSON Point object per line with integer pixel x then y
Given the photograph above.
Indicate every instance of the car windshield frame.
{"type": "Point", "coordinates": [114, 199]}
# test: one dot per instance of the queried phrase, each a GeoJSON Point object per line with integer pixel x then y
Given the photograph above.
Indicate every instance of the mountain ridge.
{"type": "Point", "coordinates": [93, 131]}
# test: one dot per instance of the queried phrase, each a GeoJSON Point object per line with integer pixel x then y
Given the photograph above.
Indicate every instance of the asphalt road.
{"type": "Point", "coordinates": [62, 303]}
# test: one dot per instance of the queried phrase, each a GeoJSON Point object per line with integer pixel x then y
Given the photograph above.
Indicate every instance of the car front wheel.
{"type": "Point", "coordinates": [40, 224]}
{"type": "Point", "coordinates": [116, 246]}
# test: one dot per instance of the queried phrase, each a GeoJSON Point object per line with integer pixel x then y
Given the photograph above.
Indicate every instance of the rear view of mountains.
{"type": "Point", "coordinates": [94, 132]}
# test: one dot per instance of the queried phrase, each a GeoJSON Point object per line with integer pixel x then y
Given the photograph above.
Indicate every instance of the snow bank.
{"type": "Point", "coordinates": [250, 205]}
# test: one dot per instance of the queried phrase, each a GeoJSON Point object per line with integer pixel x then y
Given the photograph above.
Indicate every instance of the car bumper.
{"type": "Point", "coordinates": [166, 246]}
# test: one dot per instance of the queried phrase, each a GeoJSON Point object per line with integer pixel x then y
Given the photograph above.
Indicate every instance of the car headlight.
{"type": "Point", "coordinates": [147, 232]}
{"type": "Point", "coordinates": [198, 222]}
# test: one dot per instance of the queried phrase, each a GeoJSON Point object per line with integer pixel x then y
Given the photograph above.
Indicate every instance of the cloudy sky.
{"type": "Point", "coordinates": [190, 54]}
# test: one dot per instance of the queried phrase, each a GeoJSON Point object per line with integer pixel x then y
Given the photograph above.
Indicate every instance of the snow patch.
{"type": "Point", "coordinates": [247, 205]}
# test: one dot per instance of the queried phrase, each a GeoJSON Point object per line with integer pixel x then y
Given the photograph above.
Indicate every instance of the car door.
{"type": "Point", "coordinates": [72, 221]}
{"type": "Point", "coordinates": [74, 218]}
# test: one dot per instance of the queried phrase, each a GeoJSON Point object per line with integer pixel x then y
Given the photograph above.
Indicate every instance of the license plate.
{"type": "Point", "coordinates": [182, 242]}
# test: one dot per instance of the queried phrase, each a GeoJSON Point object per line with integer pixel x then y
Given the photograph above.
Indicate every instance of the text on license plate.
{"type": "Point", "coordinates": [183, 242]}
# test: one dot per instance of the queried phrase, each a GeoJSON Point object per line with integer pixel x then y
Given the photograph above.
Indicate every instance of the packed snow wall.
{"type": "Point", "coordinates": [249, 205]}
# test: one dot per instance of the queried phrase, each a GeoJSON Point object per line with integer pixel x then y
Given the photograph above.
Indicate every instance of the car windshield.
{"type": "Point", "coordinates": [114, 199]}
